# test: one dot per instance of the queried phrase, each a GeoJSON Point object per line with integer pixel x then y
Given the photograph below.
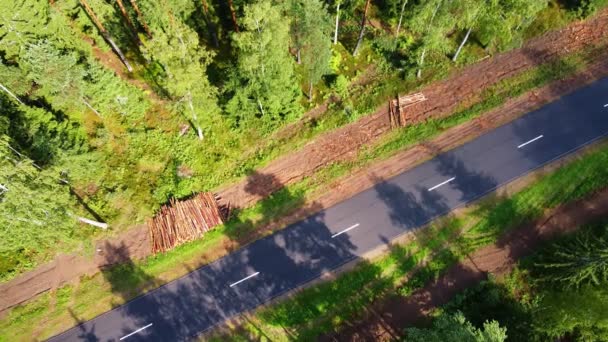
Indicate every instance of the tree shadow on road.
{"type": "Point", "coordinates": [212, 294]}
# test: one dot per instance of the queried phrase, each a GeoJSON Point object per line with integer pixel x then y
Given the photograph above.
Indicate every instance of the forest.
{"type": "Point", "coordinates": [109, 108]}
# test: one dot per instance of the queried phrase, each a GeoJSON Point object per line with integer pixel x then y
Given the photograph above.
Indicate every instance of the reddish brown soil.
{"type": "Point", "coordinates": [387, 318]}
{"type": "Point", "coordinates": [444, 97]}
{"type": "Point", "coordinates": [343, 144]}
{"type": "Point", "coordinates": [133, 244]}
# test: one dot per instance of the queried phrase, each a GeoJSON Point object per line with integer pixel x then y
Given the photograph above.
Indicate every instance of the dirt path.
{"type": "Point", "coordinates": [463, 88]}
{"type": "Point", "coordinates": [390, 316]}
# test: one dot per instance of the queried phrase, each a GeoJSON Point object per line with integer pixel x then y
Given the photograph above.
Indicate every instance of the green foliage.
{"type": "Point", "coordinates": [184, 63]}
{"type": "Point", "coordinates": [534, 310]}
{"type": "Point", "coordinates": [502, 22]}
{"type": "Point", "coordinates": [584, 8]}
{"type": "Point", "coordinates": [340, 87]}
{"type": "Point", "coordinates": [310, 30]}
{"type": "Point", "coordinates": [35, 210]}
{"type": "Point", "coordinates": [122, 139]}
{"type": "Point", "coordinates": [581, 261]}
{"type": "Point", "coordinates": [452, 328]}
{"type": "Point", "coordinates": [263, 82]}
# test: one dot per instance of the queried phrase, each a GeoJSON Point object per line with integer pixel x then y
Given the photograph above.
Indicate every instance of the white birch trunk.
{"type": "Point", "coordinates": [199, 131]}
{"type": "Point", "coordinates": [337, 23]}
{"type": "Point", "coordinates": [91, 107]}
{"type": "Point", "coordinates": [10, 93]}
{"type": "Point", "coordinates": [401, 16]}
{"type": "Point", "coordinates": [261, 108]}
{"type": "Point", "coordinates": [92, 223]}
{"type": "Point", "coordinates": [419, 73]}
{"type": "Point", "coordinates": [118, 51]}
{"type": "Point", "coordinates": [310, 91]}
{"type": "Point", "coordinates": [466, 37]}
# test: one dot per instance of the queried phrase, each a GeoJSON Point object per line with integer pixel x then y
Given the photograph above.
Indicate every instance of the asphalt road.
{"type": "Point", "coordinates": [303, 251]}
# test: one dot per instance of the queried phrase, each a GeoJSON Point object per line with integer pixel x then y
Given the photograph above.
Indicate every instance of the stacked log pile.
{"type": "Point", "coordinates": [183, 221]}
{"type": "Point", "coordinates": [397, 108]}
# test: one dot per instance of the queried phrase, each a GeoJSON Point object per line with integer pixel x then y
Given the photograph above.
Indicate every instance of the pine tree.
{"type": "Point", "coordinates": [21, 22]}
{"type": "Point", "coordinates": [574, 263]}
{"type": "Point", "coordinates": [233, 16]}
{"type": "Point", "coordinates": [128, 20]}
{"type": "Point", "coordinates": [455, 327]}
{"type": "Point", "coordinates": [263, 83]}
{"type": "Point", "coordinates": [104, 33]}
{"type": "Point", "coordinates": [140, 17]}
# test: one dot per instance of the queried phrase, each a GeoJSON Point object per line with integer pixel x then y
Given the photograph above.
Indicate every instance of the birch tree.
{"type": "Point", "coordinates": [432, 21]}
{"type": "Point", "coordinates": [403, 3]}
{"type": "Point", "coordinates": [263, 87]}
{"type": "Point", "coordinates": [468, 12]}
{"type": "Point", "coordinates": [362, 29]}
{"type": "Point", "coordinates": [337, 26]}
{"type": "Point", "coordinates": [312, 26]}
{"type": "Point", "coordinates": [502, 22]}
{"type": "Point", "coordinates": [310, 30]}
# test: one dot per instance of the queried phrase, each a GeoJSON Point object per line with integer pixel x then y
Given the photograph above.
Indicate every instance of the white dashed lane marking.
{"type": "Point", "coordinates": [242, 280]}
{"type": "Point", "coordinates": [136, 331]}
{"type": "Point", "coordinates": [442, 183]}
{"type": "Point", "coordinates": [530, 141]}
{"type": "Point", "coordinates": [345, 230]}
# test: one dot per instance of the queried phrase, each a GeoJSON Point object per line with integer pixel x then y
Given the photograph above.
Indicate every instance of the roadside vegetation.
{"type": "Point", "coordinates": [82, 137]}
{"type": "Point", "coordinates": [314, 311]}
{"type": "Point", "coordinates": [560, 292]}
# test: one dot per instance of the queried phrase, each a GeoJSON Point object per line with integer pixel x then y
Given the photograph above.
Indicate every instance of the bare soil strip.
{"type": "Point", "coordinates": [387, 318]}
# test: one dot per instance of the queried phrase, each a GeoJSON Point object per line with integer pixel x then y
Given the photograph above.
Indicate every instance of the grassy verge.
{"type": "Point", "coordinates": [116, 285]}
{"type": "Point", "coordinates": [315, 310]}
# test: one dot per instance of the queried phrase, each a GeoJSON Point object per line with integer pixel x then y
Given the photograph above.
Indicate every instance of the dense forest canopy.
{"type": "Point", "coordinates": [110, 107]}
